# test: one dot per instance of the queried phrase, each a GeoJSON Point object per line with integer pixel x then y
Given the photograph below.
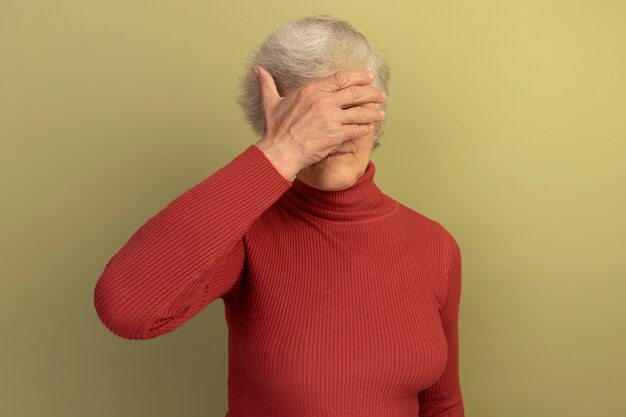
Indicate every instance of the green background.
{"type": "Point", "coordinates": [507, 125]}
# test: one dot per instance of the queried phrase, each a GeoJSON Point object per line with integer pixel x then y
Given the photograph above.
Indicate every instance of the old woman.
{"type": "Point", "coordinates": [340, 301]}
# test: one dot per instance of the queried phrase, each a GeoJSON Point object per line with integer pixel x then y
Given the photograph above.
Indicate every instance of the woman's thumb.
{"type": "Point", "coordinates": [266, 83]}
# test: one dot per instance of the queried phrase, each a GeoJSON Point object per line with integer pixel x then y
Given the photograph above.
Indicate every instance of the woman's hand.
{"type": "Point", "coordinates": [313, 120]}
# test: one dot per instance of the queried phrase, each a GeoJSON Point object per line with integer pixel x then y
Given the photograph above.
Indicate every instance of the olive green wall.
{"type": "Point", "coordinates": [507, 125]}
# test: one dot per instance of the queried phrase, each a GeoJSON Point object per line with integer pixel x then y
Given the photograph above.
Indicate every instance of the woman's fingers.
{"type": "Point", "coordinates": [362, 115]}
{"type": "Point", "coordinates": [357, 94]}
{"type": "Point", "coordinates": [342, 79]}
{"type": "Point", "coordinates": [353, 131]}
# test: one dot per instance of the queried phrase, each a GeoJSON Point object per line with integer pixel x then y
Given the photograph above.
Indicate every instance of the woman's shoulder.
{"type": "Point", "coordinates": [416, 220]}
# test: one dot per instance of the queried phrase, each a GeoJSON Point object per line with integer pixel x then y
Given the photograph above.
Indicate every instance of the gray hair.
{"type": "Point", "coordinates": [306, 49]}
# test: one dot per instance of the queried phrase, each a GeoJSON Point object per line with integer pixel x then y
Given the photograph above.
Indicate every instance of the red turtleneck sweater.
{"type": "Point", "coordinates": [338, 303]}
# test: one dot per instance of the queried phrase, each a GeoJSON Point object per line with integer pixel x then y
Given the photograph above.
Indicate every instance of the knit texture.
{"type": "Point", "coordinates": [338, 303]}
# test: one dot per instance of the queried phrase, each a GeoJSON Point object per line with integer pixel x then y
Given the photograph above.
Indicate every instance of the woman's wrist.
{"type": "Point", "coordinates": [280, 156]}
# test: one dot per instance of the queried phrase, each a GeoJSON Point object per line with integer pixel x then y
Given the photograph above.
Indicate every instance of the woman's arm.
{"type": "Point", "coordinates": [444, 399]}
{"type": "Point", "coordinates": [188, 254]}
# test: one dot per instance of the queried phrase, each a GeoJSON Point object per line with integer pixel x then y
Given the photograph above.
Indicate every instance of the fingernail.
{"type": "Point", "coordinates": [256, 72]}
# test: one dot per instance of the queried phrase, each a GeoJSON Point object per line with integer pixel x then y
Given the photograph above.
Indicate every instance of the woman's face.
{"type": "Point", "coordinates": [335, 173]}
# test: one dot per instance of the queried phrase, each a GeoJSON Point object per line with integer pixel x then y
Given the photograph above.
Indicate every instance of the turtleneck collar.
{"type": "Point", "coordinates": [362, 201]}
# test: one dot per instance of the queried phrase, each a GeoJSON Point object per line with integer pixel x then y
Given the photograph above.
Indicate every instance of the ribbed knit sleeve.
{"type": "Point", "coordinates": [188, 254]}
{"type": "Point", "coordinates": [443, 398]}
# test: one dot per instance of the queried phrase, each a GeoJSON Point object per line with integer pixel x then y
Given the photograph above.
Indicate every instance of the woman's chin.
{"type": "Point", "coordinates": [331, 173]}
{"type": "Point", "coordinates": [332, 179]}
